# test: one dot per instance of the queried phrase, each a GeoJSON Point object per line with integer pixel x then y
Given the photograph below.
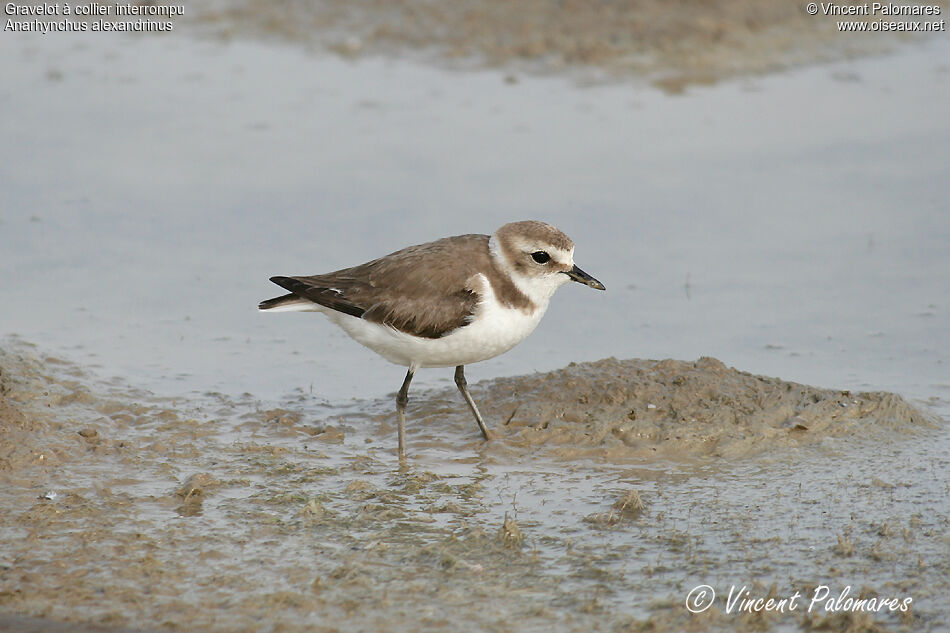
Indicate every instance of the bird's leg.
{"type": "Point", "coordinates": [463, 387]}
{"type": "Point", "coordinates": [402, 399]}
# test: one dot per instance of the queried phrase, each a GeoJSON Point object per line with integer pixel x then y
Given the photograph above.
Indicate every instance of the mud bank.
{"type": "Point", "coordinates": [638, 409]}
{"type": "Point", "coordinates": [620, 410]}
{"type": "Point", "coordinates": [673, 45]}
{"type": "Point", "coordinates": [220, 513]}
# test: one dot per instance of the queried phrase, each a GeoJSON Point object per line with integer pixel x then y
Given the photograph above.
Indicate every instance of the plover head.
{"type": "Point", "coordinates": [539, 258]}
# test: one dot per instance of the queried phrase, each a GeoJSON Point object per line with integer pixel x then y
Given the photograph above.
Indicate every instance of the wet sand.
{"type": "Point", "coordinates": [220, 513]}
{"type": "Point", "coordinates": [693, 42]}
{"type": "Point", "coordinates": [638, 409]}
{"type": "Point", "coordinates": [616, 486]}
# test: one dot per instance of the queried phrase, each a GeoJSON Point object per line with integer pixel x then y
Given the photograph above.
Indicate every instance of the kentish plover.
{"type": "Point", "coordinates": [447, 303]}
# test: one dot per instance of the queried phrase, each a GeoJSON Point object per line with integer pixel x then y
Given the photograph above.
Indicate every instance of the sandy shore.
{"type": "Point", "coordinates": [672, 46]}
{"type": "Point", "coordinates": [614, 487]}
{"type": "Point", "coordinates": [212, 512]}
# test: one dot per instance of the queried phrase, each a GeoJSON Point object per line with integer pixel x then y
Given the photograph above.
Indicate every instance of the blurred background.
{"type": "Point", "coordinates": [748, 182]}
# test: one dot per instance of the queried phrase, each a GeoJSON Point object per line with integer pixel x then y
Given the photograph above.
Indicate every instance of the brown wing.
{"type": "Point", "coordinates": [422, 290]}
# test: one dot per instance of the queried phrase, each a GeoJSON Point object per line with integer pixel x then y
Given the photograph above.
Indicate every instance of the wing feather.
{"type": "Point", "coordinates": [422, 290]}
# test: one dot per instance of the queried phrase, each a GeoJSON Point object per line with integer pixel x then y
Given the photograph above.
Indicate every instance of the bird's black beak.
{"type": "Point", "coordinates": [580, 276]}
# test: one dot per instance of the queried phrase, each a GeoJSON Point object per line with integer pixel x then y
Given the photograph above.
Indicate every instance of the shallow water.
{"type": "Point", "coordinates": [794, 226]}
{"type": "Point", "coordinates": [212, 512]}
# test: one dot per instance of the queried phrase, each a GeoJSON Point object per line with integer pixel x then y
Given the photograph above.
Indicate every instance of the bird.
{"type": "Point", "coordinates": [447, 303]}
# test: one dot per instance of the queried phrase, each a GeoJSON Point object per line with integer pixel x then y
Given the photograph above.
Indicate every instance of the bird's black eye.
{"type": "Point", "coordinates": [541, 257]}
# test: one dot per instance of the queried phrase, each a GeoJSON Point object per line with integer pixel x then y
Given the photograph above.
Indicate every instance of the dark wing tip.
{"type": "Point", "coordinates": [268, 304]}
{"type": "Point", "coordinates": [320, 294]}
{"type": "Point", "coordinates": [282, 281]}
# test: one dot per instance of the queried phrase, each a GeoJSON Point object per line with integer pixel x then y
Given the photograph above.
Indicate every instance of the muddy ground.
{"type": "Point", "coordinates": [615, 487]}
{"type": "Point", "coordinates": [671, 45]}
{"type": "Point", "coordinates": [610, 491]}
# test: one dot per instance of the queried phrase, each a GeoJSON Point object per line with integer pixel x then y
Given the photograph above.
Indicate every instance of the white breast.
{"type": "Point", "coordinates": [495, 330]}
